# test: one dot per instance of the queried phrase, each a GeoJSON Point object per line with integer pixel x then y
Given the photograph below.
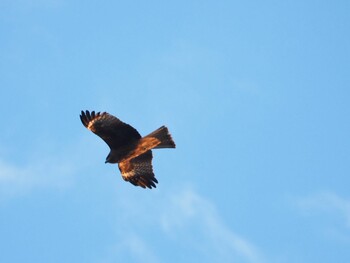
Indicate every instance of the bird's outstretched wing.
{"type": "Point", "coordinates": [138, 171]}
{"type": "Point", "coordinates": [112, 130]}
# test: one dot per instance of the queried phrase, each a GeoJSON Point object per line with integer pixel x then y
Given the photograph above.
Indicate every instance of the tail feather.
{"type": "Point", "coordinates": [163, 135]}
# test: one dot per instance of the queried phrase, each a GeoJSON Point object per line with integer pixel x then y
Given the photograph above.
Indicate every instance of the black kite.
{"type": "Point", "coordinates": [127, 148]}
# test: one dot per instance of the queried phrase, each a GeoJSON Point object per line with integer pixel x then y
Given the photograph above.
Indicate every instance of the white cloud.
{"type": "Point", "coordinates": [140, 250]}
{"type": "Point", "coordinates": [132, 248]}
{"type": "Point", "coordinates": [327, 202]}
{"type": "Point", "coordinates": [190, 212]}
{"type": "Point", "coordinates": [18, 180]}
{"type": "Point", "coordinates": [48, 166]}
{"type": "Point", "coordinates": [182, 219]}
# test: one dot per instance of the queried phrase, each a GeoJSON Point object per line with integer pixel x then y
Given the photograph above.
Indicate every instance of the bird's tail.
{"type": "Point", "coordinates": [163, 136]}
{"type": "Point", "coordinates": [160, 138]}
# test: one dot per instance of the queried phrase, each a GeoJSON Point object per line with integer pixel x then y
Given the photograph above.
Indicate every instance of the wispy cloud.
{"type": "Point", "coordinates": [183, 219]}
{"type": "Point", "coordinates": [327, 202]}
{"type": "Point", "coordinates": [190, 212]}
{"type": "Point", "coordinates": [17, 180]}
{"type": "Point", "coordinates": [49, 166]}
{"type": "Point", "coordinates": [139, 249]}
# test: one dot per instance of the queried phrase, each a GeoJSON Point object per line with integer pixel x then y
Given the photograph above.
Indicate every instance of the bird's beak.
{"type": "Point", "coordinates": [106, 161]}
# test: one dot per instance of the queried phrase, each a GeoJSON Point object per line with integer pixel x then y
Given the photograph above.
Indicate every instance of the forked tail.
{"type": "Point", "coordinates": [162, 134]}
{"type": "Point", "coordinates": [160, 138]}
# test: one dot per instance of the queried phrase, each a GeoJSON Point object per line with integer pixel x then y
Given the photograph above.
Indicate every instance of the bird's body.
{"type": "Point", "coordinates": [127, 148]}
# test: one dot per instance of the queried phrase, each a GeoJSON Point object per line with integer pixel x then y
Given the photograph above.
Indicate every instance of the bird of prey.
{"type": "Point", "coordinates": [127, 148]}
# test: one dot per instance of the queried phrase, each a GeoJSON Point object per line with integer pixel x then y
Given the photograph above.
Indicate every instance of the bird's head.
{"type": "Point", "coordinates": [113, 157]}
{"type": "Point", "coordinates": [108, 160]}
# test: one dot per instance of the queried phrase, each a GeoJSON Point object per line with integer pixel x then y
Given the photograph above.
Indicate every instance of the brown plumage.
{"type": "Point", "coordinates": [127, 148]}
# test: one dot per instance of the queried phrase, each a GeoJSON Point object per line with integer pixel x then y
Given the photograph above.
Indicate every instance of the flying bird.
{"type": "Point", "coordinates": [127, 148]}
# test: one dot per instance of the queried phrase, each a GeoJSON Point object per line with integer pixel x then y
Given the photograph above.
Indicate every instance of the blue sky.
{"type": "Point", "coordinates": [255, 94]}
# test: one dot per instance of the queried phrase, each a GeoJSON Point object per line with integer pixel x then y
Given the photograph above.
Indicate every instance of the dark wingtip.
{"type": "Point", "coordinates": [83, 119]}
{"type": "Point", "coordinates": [86, 116]}
{"type": "Point", "coordinates": [152, 184]}
{"type": "Point", "coordinates": [144, 182]}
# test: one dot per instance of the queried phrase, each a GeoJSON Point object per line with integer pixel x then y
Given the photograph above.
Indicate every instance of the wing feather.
{"type": "Point", "coordinates": [112, 130]}
{"type": "Point", "coordinates": [139, 171]}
